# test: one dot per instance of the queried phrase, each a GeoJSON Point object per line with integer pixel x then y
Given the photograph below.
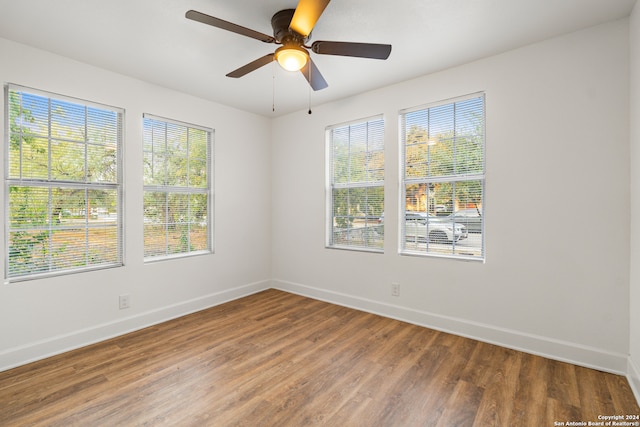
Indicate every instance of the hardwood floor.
{"type": "Point", "coordinates": [277, 359]}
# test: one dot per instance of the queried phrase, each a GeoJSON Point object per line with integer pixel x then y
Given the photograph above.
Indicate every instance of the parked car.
{"type": "Point", "coordinates": [422, 226]}
{"type": "Point", "coordinates": [470, 218]}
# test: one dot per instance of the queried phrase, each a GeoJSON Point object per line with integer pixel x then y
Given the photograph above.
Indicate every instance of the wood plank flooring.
{"type": "Point", "coordinates": [277, 359]}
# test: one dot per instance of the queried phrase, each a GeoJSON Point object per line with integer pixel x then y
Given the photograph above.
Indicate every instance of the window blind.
{"type": "Point", "coordinates": [177, 188]}
{"type": "Point", "coordinates": [356, 185]}
{"type": "Point", "coordinates": [63, 184]}
{"type": "Point", "coordinates": [443, 178]}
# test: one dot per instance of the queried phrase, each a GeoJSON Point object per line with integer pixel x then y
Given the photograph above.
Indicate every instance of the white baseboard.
{"type": "Point", "coordinates": [633, 375]}
{"type": "Point", "coordinates": [577, 354]}
{"type": "Point", "coordinates": [14, 357]}
{"type": "Point", "coordinates": [543, 346]}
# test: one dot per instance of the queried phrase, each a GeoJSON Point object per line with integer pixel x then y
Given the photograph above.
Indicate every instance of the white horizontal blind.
{"type": "Point", "coordinates": [443, 179]}
{"type": "Point", "coordinates": [63, 185]}
{"type": "Point", "coordinates": [356, 185]}
{"type": "Point", "coordinates": [177, 188]}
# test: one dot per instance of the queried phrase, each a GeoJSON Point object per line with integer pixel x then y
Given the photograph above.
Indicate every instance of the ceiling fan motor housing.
{"type": "Point", "coordinates": [280, 24]}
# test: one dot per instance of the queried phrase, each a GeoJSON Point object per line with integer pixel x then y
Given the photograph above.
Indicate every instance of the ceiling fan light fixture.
{"type": "Point", "coordinates": [292, 57]}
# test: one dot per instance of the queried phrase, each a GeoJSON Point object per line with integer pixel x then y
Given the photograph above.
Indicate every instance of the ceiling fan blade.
{"type": "Point", "coordinates": [306, 15]}
{"type": "Point", "coordinates": [229, 26]}
{"type": "Point", "coordinates": [313, 76]}
{"type": "Point", "coordinates": [360, 50]}
{"type": "Point", "coordinates": [252, 66]}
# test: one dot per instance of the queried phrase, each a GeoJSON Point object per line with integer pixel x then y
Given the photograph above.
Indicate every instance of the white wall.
{"type": "Point", "coordinates": [556, 277]}
{"type": "Point", "coordinates": [42, 317]}
{"type": "Point", "coordinates": [634, 359]}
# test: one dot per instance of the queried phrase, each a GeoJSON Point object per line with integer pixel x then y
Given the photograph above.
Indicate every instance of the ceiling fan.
{"type": "Point", "coordinates": [292, 29]}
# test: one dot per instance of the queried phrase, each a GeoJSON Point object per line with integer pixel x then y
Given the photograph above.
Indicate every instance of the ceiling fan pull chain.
{"type": "Point", "coordinates": [273, 90]}
{"type": "Point", "coordinates": [309, 91]}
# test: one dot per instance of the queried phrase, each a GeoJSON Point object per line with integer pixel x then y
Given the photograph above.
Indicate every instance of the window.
{"type": "Point", "coordinates": [443, 179]}
{"type": "Point", "coordinates": [63, 184]}
{"type": "Point", "coordinates": [355, 182]}
{"type": "Point", "coordinates": [177, 188]}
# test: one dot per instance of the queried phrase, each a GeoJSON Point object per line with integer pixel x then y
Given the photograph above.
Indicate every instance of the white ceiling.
{"type": "Point", "coordinates": [153, 41]}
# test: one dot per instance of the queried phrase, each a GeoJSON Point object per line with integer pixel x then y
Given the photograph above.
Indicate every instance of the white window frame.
{"type": "Point", "coordinates": [331, 186]}
{"type": "Point", "coordinates": [51, 183]}
{"type": "Point", "coordinates": [404, 181]}
{"type": "Point", "coordinates": [188, 190]}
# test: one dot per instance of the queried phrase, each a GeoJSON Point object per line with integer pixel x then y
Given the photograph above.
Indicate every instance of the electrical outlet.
{"type": "Point", "coordinates": [124, 302]}
{"type": "Point", "coordinates": [395, 289]}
